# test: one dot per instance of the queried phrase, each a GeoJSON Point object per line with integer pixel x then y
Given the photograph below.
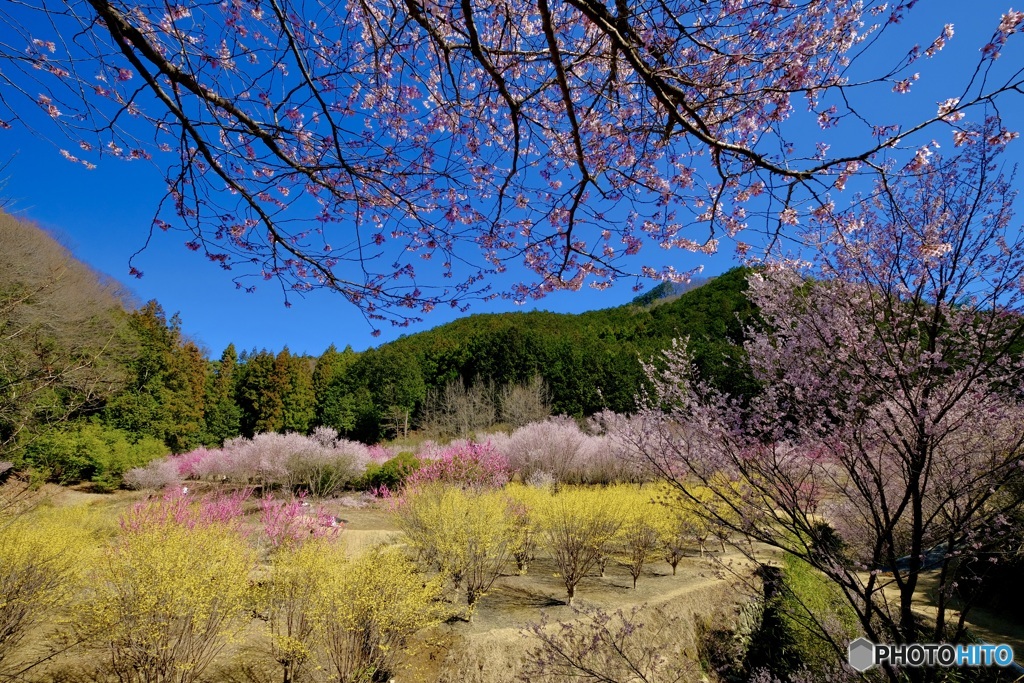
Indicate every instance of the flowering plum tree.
{"type": "Point", "coordinates": [321, 464]}
{"type": "Point", "coordinates": [890, 420]}
{"type": "Point", "coordinates": [465, 464]}
{"type": "Point", "coordinates": [564, 135]}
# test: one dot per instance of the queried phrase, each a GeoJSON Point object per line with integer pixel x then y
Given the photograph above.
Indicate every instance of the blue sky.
{"type": "Point", "coordinates": [103, 216]}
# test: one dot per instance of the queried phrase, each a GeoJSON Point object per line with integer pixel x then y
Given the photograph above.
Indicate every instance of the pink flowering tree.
{"type": "Point", "coordinates": [293, 521]}
{"type": "Point", "coordinates": [465, 464]}
{"type": "Point", "coordinates": [176, 507]}
{"type": "Point", "coordinates": [400, 153]}
{"type": "Point", "coordinates": [557, 449]}
{"type": "Point", "coordinates": [321, 463]}
{"type": "Point", "coordinates": [890, 423]}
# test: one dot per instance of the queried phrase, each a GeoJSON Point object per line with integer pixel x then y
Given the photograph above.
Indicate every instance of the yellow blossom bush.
{"type": "Point", "coordinates": [167, 598]}
{"type": "Point", "coordinates": [42, 553]}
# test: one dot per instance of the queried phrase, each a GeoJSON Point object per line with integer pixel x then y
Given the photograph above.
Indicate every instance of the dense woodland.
{"type": "Point", "coordinates": [93, 385]}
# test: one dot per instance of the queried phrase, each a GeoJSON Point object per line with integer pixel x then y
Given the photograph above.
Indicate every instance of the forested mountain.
{"type": "Point", "coordinates": [90, 388]}
{"type": "Point", "coordinates": [62, 333]}
{"type": "Point", "coordinates": [588, 362]}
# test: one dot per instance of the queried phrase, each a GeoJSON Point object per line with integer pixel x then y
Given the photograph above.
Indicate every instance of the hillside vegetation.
{"type": "Point", "coordinates": [92, 387]}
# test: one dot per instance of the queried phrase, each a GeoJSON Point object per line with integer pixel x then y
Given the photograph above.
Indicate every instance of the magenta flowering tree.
{"type": "Point", "coordinates": [466, 464]}
{"type": "Point", "coordinates": [176, 507]}
{"type": "Point", "coordinates": [294, 521]}
{"type": "Point", "coordinates": [890, 425]}
{"type": "Point", "coordinates": [400, 153]}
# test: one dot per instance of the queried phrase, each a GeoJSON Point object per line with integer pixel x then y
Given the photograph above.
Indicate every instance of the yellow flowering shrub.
{"type": "Point", "coordinates": [42, 553]}
{"type": "Point", "coordinates": [639, 535]}
{"type": "Point", "coordinates": [295, 599]}
{"type": "Point", "coordinates": [373, 605]}
{"type": "Point", "coordinates": [470, 535]}
{"type": "Point", "coordinates": [167, 598]}
{"type": "Point", "coordinates": [578, 527]}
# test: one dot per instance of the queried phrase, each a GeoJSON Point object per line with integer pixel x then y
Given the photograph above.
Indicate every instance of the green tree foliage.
{"type": "Point", "coordinates": [222, 417]}
{"type": "Point", "coordinates": [395, 381]}
{"type": "Point", "coordinates": [330, 371]}
{"type": "Point", "coordinates": [262, 407]}
{"type": "Point", "coordinates": [167, 382]}
{"type": "Point", "coordinates": [390, 474]}
{"type": "Point", "coordinates": [183, 397]}
{"type": "Point", "coordinates": [340, 402]}
{"type": "Point", "coordinates": [293, 380]}
{"type": "Point", "coordinates": [588, 362]}
{"type": "Point", "coordinates": [90, 451]}
{"type": "Point", "coordinates": [68, 351]}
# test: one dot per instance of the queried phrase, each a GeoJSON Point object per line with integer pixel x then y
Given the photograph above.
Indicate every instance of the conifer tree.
{"type": "Point", "coordinates": [223, 416]}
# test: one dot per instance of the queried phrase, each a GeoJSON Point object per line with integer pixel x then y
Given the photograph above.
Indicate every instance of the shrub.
{"type": "Point", "coordinates": [391, 474]}
{"type": "Point", "coordinates": [464, 464]}
{"type": "Point", "coordinates": [293, 602]}
{"type": "Point", "coordinates": [374, 604]}
{"type": "Point", "coordinates": [524, 505]}
{"type": "Point", "coordinates": [321, 463]}
{"type": "Point", "coordinates": [601, 646]}
{"type": "Point", "coordinates": [292, 522]}
{"type": "Point", "coordinates": [177, 508]}
{"type": "Point", "coordinates": [556, 446]}
{"type": "Point", "coordinates": [638, 537]}
{"type": "Point", "coordinates": [168, 598]}
{"type": "Point", "coordinates": [41, 560]}
{"type": "Point", "coordinates": [561, 449]}
{"type": "Point", "coordinates": [578, 527]}
{"type": "Point", "coordinates": [469, 534]}
{"type": "Point", "coordinates": [158, 474]}
{"type": "Point", "coordinates": [350, 618]}
{"type": "Point", "coordinates": [90, 452]}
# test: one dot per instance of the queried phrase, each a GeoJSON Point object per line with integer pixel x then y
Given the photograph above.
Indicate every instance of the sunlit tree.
{"type": "Point", "coordinates": [578, 527]}
{"type": "Point", "coordinates": [401, 153]}
{"type": "Point", "coordinates": [172, 590]}
{"type": "Point", "coordinates": [468, 535]}
{"type": "Point", "coordinates": [889, 424]}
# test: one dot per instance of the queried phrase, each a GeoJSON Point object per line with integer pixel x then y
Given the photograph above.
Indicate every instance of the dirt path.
{"type": "Point", "coordinates": [495, 645]}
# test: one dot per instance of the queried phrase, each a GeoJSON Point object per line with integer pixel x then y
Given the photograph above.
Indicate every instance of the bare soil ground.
{"type": "Point", "coordinates": [981, 622]}
{"type": "Point", "coordinates": [493, 645]}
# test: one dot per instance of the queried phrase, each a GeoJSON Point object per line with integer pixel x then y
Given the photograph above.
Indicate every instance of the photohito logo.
{"type": "Point", "coordinates": [863, 654]}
